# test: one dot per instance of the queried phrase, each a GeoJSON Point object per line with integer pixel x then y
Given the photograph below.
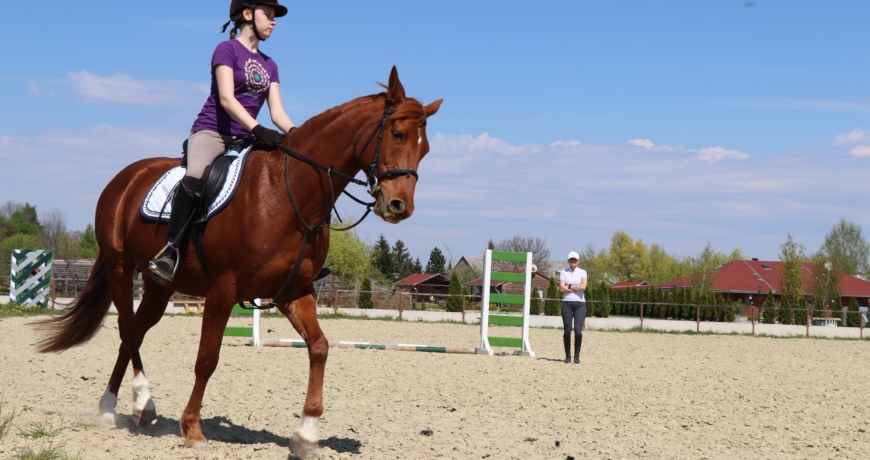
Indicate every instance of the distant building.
{"type": "Point", "coordinates": [425, 287]}
{"type": "Point", "coordinates": [549, 268]}
{"type": "Point", "coordinates": [742, 279]}
{"type": "Point", "coordinates": [539, 283]}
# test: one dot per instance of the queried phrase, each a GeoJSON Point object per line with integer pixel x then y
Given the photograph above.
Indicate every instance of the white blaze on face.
{"type": "Point", "coordinates": [419, 135]}
{"type": "Point", "coordinates": [142, 401]}
{"type": "Point", "coordinates": [107, 406]}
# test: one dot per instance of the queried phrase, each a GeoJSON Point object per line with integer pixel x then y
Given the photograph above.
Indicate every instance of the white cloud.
{"type": "Point", "coordinates": [714, 154]}
{"type": "Point", "coordinates": [645, 143]}
{"type": "Point", "coordinates": [40, 91]}
{"type": "Point", "coordinates": [855, 136]}
{"type": "Point", "coordinates": [861, 151]}
{"type": "Point", "coordinates": [124, 89]}
{"type": "Point", "coordinates": [565, 144]}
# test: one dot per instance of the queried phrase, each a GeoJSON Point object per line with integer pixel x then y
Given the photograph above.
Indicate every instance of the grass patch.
{"type": "Point", "coordinates": [48, 451]}
{"type": "Point", "coordinates": [40, 430]}
{"type": "Point", "coordinates": [363, 317]}
{"type": "Point", "coordinates": [5, 421]}
{"type": "Point", "coordinates": [17, 309]}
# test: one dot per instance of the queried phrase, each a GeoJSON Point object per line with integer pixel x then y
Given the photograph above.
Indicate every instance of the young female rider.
{"type": "Point", "coordinates": [242, 78]}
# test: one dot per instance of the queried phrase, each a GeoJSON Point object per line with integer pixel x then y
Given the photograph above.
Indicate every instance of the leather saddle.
{"type": "Point", "coordinates": [216, 174]}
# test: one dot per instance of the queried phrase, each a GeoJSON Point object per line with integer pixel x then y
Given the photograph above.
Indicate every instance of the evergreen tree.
{"type": "Point", "coordinates": [403, 266]}
{"type": "Point", "coordinates": [418, 267]}
{"type": "Point", "coordinates": [605, 306]}
{"type": "Point", "coordinates": [853, 317]}
{"type": "Point", "coordinates": [819, 307]}
{"type": "Point", "coordinates": [454, 302]}
{"type": "Point", "coordinates": [800, 313]}
{"type": "Point", "coordinates": [89, 243]}
{"type": "Point", "coordinates": [382, 258]}
{"type": "Point", "coordinates": [769, 309]}
{"type": "Point", "coordinates": [436, 263]}
{"type": "Point", "coordinates": [535, 303]}
{"type": "Point", "coordinates": [365, 294]}
{"type": "Point", "coordinates": [784, 312]}
{"type": "Point", "coordinates": [552, 305]}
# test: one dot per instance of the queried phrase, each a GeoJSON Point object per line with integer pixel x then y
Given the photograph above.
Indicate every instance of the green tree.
{"type": "Point", "coordinates": [791, 277]}
{"type": "Point", "coordinates": [437, 262]}
{"type": "Point", "coordinates": [846, 248]}
{"type": "Point", "coordinates": [769, 309]}
{"type": "Point", "coordinates": [402, 263]}
{"type": "Point", "coordinates": [348, 256]}
{"type": "Point", "coordinates": [535, 303]}
{"type": "Point", "coordinates": [382, 258]}
{"type": "Point", "coordinates": [418, 267]}
{"type": "Point", "coordinates": [365, 294]}
{"type": "Point", "coordinates": [552, 304]}
{"type": "Point", "coordinates": [89, 243]}
{"type": "Point", "coordinates": [454, 302]}
{"type": "Point", "coordinates": [604, 307]}
{"type": "Point", "coordinates": [629, 259]}
{"type": "Point", "coordinates": [853, 318]}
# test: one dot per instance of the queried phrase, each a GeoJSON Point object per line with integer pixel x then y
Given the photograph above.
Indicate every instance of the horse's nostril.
{"type": "Point", "coordinates": [397, 206]}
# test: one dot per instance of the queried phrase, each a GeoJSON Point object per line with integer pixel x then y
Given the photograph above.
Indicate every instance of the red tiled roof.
{"type": "Point", "coordinates": [417, 279]}
{"type": "Point", "coordinates": [628, 284]}
{"type": "Point", "coordinates": [751, 275]}
{"type": "Point", "coordinates": [479, 281]}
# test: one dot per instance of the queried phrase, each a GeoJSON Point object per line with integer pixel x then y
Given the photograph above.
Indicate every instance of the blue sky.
{"type": "Point", "coordinates": [680, 122]}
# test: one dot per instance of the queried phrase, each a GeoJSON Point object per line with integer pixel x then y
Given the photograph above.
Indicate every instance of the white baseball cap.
{"type": "Point", "coordinates": [573, 255]}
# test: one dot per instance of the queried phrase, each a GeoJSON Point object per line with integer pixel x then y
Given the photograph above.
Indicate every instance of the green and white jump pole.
{"type": "Point", "coordinates": [30, 277]}
{"type": "Point", "coordinates": [487, 342]}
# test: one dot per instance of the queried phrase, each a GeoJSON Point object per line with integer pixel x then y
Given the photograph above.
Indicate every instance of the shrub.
{"type": "Point", "coordinates": [535, 303]}
{"type": "Point", "coordinates": [365, 295]}
{"type": "Point", "coordinates": [552, 305]}
{"type": "Point", "coordinates": [853, 317]}
{"type": "Point", "coordinates": [454, 302]}
{"type": "Point", "coordinates": [769, 309]}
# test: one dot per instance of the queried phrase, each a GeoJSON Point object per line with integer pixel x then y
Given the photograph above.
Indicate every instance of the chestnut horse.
{"type": "Point", "coordinates": [249, 248]}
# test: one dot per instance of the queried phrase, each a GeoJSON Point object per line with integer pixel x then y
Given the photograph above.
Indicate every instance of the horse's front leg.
{"type": "Point", "coordinates": [214, 322]}
{"type": "Point", "coordinates": [302, 314]}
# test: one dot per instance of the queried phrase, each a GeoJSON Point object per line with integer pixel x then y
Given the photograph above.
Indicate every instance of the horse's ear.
{"type": "Point", "coordinates": [395, 90]}
{"type": "Point", "coordinates": [430, 109]}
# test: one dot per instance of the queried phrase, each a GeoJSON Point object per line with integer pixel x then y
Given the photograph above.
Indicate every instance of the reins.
{"type": "Point", "coordinates": [372, 188]}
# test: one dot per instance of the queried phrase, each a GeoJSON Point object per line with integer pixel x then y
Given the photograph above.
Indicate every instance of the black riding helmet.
{"type": "Point", "coordinates": [237, 6]}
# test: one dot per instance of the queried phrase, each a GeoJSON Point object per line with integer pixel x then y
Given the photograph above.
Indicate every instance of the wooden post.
{"type": "Point", "coordinates": [754, 310]}
{"type": "Point", "coordinates": [697, 318]}
{"type": "Point", "coordinates": [808, 322]}
{"type": "Point", "coordinates": [53, 292]}
{"type": "Point", "coordinates": [861, 324]}
{"type": "Point", "coordinates": [641, 317]}
{"type": "Point", "coordinates": [335, 300]}
{"type": "Point", "coordinates": [463, 308]}
{"type": "Point", "coordinates": [401, 305]}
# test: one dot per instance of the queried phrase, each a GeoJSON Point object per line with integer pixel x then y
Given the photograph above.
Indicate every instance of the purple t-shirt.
{"type": "Point", "coordinates": [252, 74]}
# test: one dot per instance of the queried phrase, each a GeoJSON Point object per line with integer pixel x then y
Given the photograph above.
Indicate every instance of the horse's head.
{"type": "Point", "coordinates": [396, 156]}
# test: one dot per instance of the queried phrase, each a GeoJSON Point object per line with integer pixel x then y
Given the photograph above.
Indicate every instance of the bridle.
{"type": "Point", "coordinates": [372, 185]}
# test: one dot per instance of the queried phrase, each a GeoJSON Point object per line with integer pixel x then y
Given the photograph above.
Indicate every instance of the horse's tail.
{"type": "Point", "coordinates": [84, 317]}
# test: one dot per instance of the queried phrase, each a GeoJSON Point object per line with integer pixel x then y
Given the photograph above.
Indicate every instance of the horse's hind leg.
{"type": "Point", "coordinates": [132, 328]}
{"type": "Point", "coordinates": [302, 314]}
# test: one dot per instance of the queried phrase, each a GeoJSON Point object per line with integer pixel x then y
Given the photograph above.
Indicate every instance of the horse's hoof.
{"type": "Point", "coordinates": [145, 419]}
{"type": "Point", "coordinates": [109, 418]}
{"type": "Point", "coordinates": [300, 448]}
{"type": "Point", "coordinates": [196, 445]}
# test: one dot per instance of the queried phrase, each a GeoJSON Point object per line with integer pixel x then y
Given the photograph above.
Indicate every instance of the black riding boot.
{"type": "Point", "coordinates": [578, 341]}
{"type": "Point", "coordinates": [164, 265]}
{"type": "Point", "coordinates": [566, 337]}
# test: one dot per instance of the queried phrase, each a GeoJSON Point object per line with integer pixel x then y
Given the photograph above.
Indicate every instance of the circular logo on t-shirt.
{"type": "Point", "coordinates": [256, 77]}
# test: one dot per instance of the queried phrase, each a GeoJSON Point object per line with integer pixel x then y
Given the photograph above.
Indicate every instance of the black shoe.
{"type": "Point", "coordinates": [183, 205]}
{"type": "Point", "coordinates": [566, 339]}
{"type": "Point", "coordinates": [578, 342]}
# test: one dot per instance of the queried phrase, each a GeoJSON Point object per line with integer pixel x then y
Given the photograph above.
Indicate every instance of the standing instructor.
{"type": "Point", "coordinates": [572, 283]}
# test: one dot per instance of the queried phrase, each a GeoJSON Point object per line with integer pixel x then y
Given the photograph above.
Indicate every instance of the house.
{"type": "Point", "coordinates": [750, 282]}
{"type": "Point", "coordinates": [425, 287]}
{"type": "Point", "coordinates": [630, 284]}
{"type": "Point", "coordinates": [475, 263]}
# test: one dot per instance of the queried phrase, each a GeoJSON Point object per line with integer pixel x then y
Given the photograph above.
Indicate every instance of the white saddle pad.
{"type": "Point", "coordinates": [158, 202]}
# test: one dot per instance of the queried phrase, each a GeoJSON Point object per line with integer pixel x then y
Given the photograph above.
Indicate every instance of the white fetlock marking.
{"type": "Point", "coordinates": [307, 431]}
{"type": "Point", "coordinates": [142, 395]}
{"type": "Point", "coordinates": [108, 403]}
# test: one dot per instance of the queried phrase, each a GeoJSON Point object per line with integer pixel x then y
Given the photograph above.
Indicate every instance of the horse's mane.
{"type": "Point", "coordinates": [409, 108]}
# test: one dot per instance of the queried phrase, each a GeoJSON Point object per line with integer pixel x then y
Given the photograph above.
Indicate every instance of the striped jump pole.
{"type": "Point", "coordinates": [30, 277]}
{"type": "Point", "coordinates": [299, 343]}
{"type": "Point", "coordinates": [487, 342]}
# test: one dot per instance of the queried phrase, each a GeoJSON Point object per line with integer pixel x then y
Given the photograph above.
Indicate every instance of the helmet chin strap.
{"type": "Point", "coordinates": [254, 24]}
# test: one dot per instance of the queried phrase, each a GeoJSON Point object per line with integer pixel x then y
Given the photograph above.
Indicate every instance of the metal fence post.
{"type": "Point", "coordinates": [808, 322]}
{"type": "Point", "coordinates": [754, 310]}
{"type": "Point", "coordinates": [641, 317]}
{"type": "Point", "coordinates": [697, 318]}
{"type": "Point", "coordinates": [463, 308]}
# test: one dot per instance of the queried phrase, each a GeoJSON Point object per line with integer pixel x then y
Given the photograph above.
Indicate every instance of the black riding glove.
{"type": "Point", "coordinates": [267, 136]}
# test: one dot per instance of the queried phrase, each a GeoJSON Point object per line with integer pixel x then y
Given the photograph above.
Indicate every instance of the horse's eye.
{"type": "Point", "coordinates": [398, 135]}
